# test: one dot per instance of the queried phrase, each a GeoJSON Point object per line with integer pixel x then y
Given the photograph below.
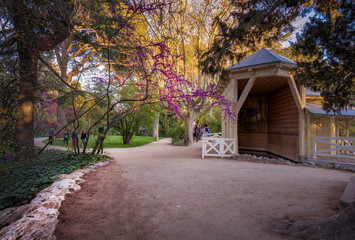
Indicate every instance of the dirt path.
{"type": "Point", "coordinates": [160, 191]}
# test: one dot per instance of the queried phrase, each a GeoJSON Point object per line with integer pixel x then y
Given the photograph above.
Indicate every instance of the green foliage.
{"type": "Point", "coordinates": [8, 103]}
{"type": "Point", "coordinates": [325, 49]}
{"type": "Point", "coordinates": [167, 122]}
{"type": "Point", "coordinates": [132, 115]}
{"type": "Point", "coordinates": [211, 117]}
{"type": "Point", "coordinates": [21, 181]}
{"type": "Point", "coordinates": [327, 43]}
{"type": "Point", "coordinates": [128, 125]}
{"type": "Point", "coordinates": [346, 130]}
{"type": "Point", "coordinates": [7, 134]}
{"type": "Point", "coordinates": [250, 26]}
{"type": "Point", "coordinates": [177, 133]}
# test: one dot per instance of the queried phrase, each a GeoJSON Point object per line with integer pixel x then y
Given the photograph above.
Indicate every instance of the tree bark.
{"type": "Point", "coordinates": [61, 116]}
{"type": "Point", "coordinates": [24, 134]}
{"type": "Point", "coordinates": [61, 53]}
{"type": "Point", "coordinates": [189, 120]}
{"type": "Point", "coordinates": [156, 127]}
{"type": "Point", "coordinates": [33, 35]}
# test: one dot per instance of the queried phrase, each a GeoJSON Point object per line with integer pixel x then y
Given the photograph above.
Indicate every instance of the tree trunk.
{"type": "Point", "coordinates": [61, 116]}
{"type": "Point", "coordinates": [24, 135]}
{"type": "Point", "coordinates": [99, 144]}
{"type": "Point", "coordinates": [156, 127]}
{"type": "Point", "coordinates": [189, 120]}
{"type": "Point", "coordinates": [61, 52]}
{"type": "Point", "coordinates": [165, 125]}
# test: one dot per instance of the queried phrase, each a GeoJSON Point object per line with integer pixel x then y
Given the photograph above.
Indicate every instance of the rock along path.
{"type": "Point", "coordinates": [161, 192]}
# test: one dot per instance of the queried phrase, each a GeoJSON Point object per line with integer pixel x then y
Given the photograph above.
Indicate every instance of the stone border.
{"type": "Point", "coordinates": [37, 220]}
{"type": "Point", "coordinates": [349, 194]}
{"type": "Point", "coordinates": [331, 164]}
{"type": "Point", "coordinates": [346, 166]}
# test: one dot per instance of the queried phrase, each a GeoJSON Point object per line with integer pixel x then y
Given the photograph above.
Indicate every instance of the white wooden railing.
{"type": "Point", "coordinates": [212, 135]}
{"type": "Point", "coordinates": [218, 147]}
{"type": "Point", "coordinates": [342, 147]}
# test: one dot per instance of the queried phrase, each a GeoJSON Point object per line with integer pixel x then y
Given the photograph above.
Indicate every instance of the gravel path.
{"type": "Point", "coordinates": [163, 192]}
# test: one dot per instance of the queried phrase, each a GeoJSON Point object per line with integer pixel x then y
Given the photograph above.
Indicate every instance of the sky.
{"type": "Point", "coordinates": [298, 24]}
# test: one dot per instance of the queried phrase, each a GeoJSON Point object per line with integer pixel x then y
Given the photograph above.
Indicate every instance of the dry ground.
{"type": "Point", "coordinates": [164, 192]}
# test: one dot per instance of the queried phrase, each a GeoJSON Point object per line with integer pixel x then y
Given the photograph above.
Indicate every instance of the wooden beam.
{"type": "Point", "coordinates": [309, 135]}
{"type": "Point", "coordinates": [300, 103]}
{"type": "Point", "coordinates": [245, 93]}
{"type": "Point", "coordinates": [295, 93]}
{"type": "Point", "coordinates": [234, 99]}
{"type": "Point", "coordinates": [302, 135]}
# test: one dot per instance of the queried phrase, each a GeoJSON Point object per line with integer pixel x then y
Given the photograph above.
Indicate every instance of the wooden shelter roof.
{"type": "Point", "coordinates": [262, 57]}
{"type": "Point", "coordinates": [270, 70]}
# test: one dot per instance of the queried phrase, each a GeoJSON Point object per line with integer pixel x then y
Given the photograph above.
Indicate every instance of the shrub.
{"type": "Point", "coordinates": [177, 134]}
{"type": "Point", "coordinates": [21, 181]}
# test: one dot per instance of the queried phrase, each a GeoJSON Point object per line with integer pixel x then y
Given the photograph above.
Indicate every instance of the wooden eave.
{"type": "Point", "coordinates": [269, 77]}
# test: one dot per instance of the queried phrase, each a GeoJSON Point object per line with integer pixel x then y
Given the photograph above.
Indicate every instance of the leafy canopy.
{"type": "Point", "coordinates": [327, 42]}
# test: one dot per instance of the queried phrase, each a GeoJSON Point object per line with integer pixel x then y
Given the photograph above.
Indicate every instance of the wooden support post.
{"type": "Point", "coordinates": [302, 136]}
{"type": "Point", "coordinates": [309, 142]}
{"type": "Point", "coordinates": [245, 93]}
{"type": "Point", "coordinates": [336, 125]}
{"type": "Point", "coordinates": [234, 83]}
{"type": "Point", "coordinates": [296, 96]}
{"type": "Point", "coordinates": [300, 100]}
{"type": "Point", "coordinates": [315, 147]}
{"type": "Point", "coordinates": [332, 132]}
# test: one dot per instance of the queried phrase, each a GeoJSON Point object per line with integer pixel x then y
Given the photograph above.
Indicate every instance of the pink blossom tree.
{"type": "Point", "coordinates": [130, 60]}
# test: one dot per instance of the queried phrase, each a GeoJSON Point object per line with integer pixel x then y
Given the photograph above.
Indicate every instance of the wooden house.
{"type": "Point", "coordinates": [335, 129]}
{"type": "Point", "coordinates": [271, 107]}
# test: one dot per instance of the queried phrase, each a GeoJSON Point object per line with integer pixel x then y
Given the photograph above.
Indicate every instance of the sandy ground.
{"type": "Point", "coordinates": [160, 191]}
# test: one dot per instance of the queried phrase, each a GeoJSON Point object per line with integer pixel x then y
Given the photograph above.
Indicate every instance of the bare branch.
{"type": "Point", "coordinates": [55, 73]}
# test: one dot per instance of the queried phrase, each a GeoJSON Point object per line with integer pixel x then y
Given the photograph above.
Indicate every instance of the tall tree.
{"type": "Point", "coordinates": [34, 26]}
{"type": "Point", "coordinates": [255, 24]}
{"type": "Point", "coordinates": [187, 30]}
{"type": "Point", "coordinates": [327, 43]}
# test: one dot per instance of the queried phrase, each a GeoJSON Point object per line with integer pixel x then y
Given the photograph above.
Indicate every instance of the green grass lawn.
{"type": "Point", "coordinates": [110, 142]}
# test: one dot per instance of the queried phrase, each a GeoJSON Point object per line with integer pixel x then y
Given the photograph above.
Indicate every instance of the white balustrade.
{"type": "Point", "coordinates": [218, 147]}
{"type": "Point", "coordinates": [342, 147]}
{"type": "Point", "coordinates": [212, 135]}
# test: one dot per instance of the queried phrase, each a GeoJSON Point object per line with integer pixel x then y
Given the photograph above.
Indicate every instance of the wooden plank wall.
{"type": "Point", "coordinates": [283, 124]}
{"type": "Point", "coordinates": [282, 133]}
{"type": "Point", "coordinates": [251, 134]}
{"type": "Point", "coordinates": [253, 140]}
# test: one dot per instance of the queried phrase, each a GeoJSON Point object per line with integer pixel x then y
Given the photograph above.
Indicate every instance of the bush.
{"type": "Point", "coordinates": [177, 134]}
{"type": "Point", "coordinates": [7, 135]}
{"type": "Point", "coordinates": [21, 181]}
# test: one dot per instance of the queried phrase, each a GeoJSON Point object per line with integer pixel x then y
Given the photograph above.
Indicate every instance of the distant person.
{"type": "Point", "coordinates": [207, 130]}
{"type": "Point", "coordinates": [83, 138]}
{"type": "Point", "coordinates": [74, 141]}
{"type": "Point", "coordinates": [197, 133]}
{"type": "Point", "coordinates": [101, 130]}
{"type": "Point", "coordinates": [66, 138]}
{"type": "Point", "coordinates": [51, 137]}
